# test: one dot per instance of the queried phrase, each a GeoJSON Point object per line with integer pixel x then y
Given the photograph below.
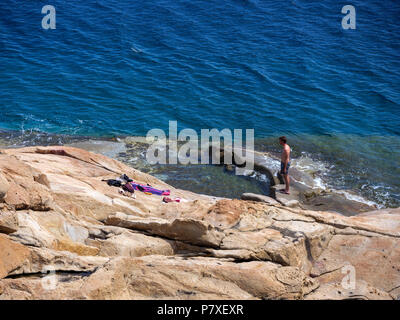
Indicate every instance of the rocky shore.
{"type": "Point", "coordinates": [306, 193]}
{"type": "Point", "coordinates": [59, 221]}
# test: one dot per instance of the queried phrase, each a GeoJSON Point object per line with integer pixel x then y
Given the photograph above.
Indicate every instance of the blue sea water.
{"type": "Point", "coordinates": [119, 67]}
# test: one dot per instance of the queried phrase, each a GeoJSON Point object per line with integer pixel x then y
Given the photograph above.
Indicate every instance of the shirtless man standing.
{"type": "Point", "coordinates": [285, 163]}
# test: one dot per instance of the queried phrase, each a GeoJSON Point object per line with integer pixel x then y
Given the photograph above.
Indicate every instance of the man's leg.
{"type": "Point", "coordinates": [287, 182]}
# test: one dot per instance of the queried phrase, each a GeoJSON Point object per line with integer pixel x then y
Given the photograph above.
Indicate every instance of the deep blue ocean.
{"type": "Point", "coordinates": [119, 67]}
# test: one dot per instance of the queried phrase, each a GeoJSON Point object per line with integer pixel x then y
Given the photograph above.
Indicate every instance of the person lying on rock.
{"type": "Point", "coordinates": [285, 163]}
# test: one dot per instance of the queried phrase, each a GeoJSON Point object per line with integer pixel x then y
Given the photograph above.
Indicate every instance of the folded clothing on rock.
{"type": "Point", "coordinates": [132, 186]}
{"type": "Point", "coordinates": [129, 185]}
{"type": "Point", "coordinates": [168, 199]}
{"type": "Point", "coordinates": [127, 193]}
{"type": "Point", "coordinates": [125, 178]}
{"type": "Point", "coordinates": [114, 182]}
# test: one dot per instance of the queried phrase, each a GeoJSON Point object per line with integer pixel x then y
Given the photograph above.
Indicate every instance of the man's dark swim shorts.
{"type": "Point", "coordinates": [283, 167]}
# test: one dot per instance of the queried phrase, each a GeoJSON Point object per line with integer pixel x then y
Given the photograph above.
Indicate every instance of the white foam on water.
{"type": "Point", "coordinates": [308, 165]}
{"type": "Point", "coordinates": [272, 163]}
{"type": "Point", "coordinates": [353, 197]}
{"type": "Point", "coordinates": [319, 184]}
{"type": "Point", "coordinates": [259, 176]}
{"type": "Point", "coordinates": [318, 170]}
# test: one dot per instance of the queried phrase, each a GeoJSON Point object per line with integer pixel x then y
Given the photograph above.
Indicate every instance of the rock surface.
{"type": "Point", "coordinates": [56, 214]}
{"type": "Point", "coordinates": [4, 186]}
{"type": "Point", "coordinates": [259, 198]}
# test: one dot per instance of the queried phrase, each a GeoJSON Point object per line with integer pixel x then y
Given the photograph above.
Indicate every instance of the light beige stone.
{"type": "Point", "coordinates": [57, 212]}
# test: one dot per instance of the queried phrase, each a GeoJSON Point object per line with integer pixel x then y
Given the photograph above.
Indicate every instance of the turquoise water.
{"type": "Point", "coordinates": [279, 67]}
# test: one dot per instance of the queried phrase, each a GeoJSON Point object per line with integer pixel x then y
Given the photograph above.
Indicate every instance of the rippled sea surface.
{"type": "Point", "coordinates": [280, 67]}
